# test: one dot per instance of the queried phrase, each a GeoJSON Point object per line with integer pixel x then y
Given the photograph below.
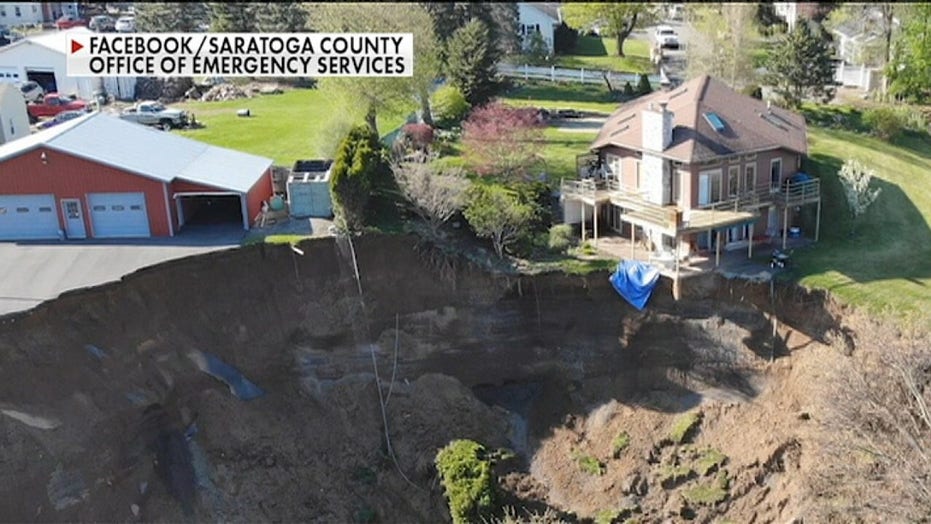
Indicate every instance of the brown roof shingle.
{"type": "Point", "coordinates": [749, 125]}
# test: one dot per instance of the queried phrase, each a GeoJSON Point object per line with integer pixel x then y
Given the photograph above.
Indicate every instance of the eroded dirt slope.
{"type": "Point", "coordinates": [108, 416]}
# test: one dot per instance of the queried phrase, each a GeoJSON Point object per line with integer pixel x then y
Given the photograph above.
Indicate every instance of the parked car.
{"type": "Point", "coordinates": [32, 91]}
{"type": "Point", "coordinates": [152, 113]}
{"type": "Point", "coordinates": [666, 37]}
{"type": "Point", "coordinates": [68, 21]}
{"type": "Point", "coordinates": [102, 24]}
{"type": "Point", "coordinates": [126, 24]}
{"type": "Point", "coordinates": [52, 104]}
{"type": "Point", "coordinates": [60, 118]}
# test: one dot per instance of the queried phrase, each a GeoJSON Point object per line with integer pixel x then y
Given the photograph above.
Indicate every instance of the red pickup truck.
{"type": "Point", "coordinates": [52, 104]}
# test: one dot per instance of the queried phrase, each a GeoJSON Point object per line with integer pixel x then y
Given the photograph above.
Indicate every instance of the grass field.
{"type": "Point", "coordinates": [886, 264]}
{"type": "Point", "coordinates": [592, 52]}
{"type": "Point", "coordinates": [283, 127]}
{"type": "Point", "coordinates": [569, 95]}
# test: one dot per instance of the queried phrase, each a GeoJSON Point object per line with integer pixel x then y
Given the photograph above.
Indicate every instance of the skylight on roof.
{"type": "Point", "coordinates": [715, 121]}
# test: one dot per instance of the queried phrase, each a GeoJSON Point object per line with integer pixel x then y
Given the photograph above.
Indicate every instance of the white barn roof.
{"type": "Point", "coordinates": [57, 41]}
{"type": "Point", "coordinates": [161, 155]}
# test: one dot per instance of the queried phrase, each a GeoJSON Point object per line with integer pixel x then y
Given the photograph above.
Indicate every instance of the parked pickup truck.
{"type": "Point", "coordinates": [52, 104]}
{"type": "Point", "coordinates": [153, 113]}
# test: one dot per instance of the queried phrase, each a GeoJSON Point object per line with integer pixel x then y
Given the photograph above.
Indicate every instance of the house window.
{"type": "Point", "coordinates": [35, 9]}
{"type": "Point", "coordinates": [749, 177]}
{"type": "Point", "coordinates": [716, 187]}
{"type": "Point", "coordinates": [22, 210]}
{"type": "Point", "coordinates": [638, 174]}
{"type": "Point", "coordinates": [17, 11]}
{"type": "Point", "coordinates": [614, 166]}
{"type": "Point", "coordinates": [733, 180]}
{"type": "Point", "coordinates": [775, 174]}
{"type": "Point", "coordinates": [3, 12]}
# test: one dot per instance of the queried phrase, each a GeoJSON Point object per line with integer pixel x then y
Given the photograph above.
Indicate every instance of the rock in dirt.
{"type": "Point", "coordinates": [224, 92]}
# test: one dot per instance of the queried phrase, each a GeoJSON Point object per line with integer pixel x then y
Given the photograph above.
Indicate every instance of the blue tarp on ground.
{"type": "Point", "coordinates": [239, 385]}
{"type": "Point", "coordinates": [635, 281]}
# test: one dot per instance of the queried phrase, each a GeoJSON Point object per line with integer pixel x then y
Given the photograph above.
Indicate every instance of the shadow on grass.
{"type": "Point", "coordinates": [890, 241]}
{"type": "Point", "coordinates": [571, 92]}
{"type": "Point", "coordinates": [590, 46]}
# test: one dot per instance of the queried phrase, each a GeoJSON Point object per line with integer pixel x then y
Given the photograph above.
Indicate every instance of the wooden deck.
{"type": "Point", "coordinates": [673, 221]}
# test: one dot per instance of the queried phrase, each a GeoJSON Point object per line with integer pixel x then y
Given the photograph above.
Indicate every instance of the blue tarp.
{"type": "Point", "coordinates": [239, 385]}
{"type": "Point", "coordinates": [635, 281]}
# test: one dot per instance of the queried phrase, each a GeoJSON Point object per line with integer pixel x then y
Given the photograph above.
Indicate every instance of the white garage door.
{"type": "Point", "coordinates": [9, 74]}
{"type": "Point", "coordinates": [28, 216]}
{"type": "Point", "coordinates": [118, 215]}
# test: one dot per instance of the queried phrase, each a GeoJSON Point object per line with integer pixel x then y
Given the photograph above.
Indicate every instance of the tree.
{"type": "Point", "coordinates": [434, 195]}
{"type": "Point", "coordinates": [358, 171]}
{"type": "Point", "coordinates": [909, 72]}
{"type": "Point", "coordinates": [726, 41]}
{"type": "Point", "coordinates": [501, 18]}
{"type": "Point", "coordinates": [471, 62]}
{"type": "Point", "coordinates": [449, 106]}
{"type": "Point", "coordinates": [502, 140]}
{"type": "Point", "coordinates": [643, 86]}
{"type": "Point", "coordinates": [855, 179]}
{"type": "Point", "coordinates": [468, 480]}
{"type": "Point", "coordinates": [564, 39]}
{"type": "Point", "coordinates": [800, 66]}
{"type": "Point", "coordinates": [496, 212]}
{"type": "Point", "coordinates": [283, 17]}
{"type": "Point", "coordinates": [615, 19]}
{"type": "Point", "coordinates": [170, 17]}
{"type": "Point", "coordinates": [382, 95]}
{"type": "Point", "coordinates": [537, 52]}
{"type": "Point", "coordinates": [233, 17]}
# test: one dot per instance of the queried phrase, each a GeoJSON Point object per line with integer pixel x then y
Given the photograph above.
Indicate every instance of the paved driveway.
{"type": "Point", "coordinates": [32, 272]}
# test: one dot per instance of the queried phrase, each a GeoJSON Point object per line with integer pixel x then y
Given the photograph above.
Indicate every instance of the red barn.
{"type": "Point", "coordinates": [102, 177]}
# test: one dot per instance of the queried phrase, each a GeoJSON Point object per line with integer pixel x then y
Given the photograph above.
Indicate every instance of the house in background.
{"type": "Point", "coordinates": [792, 12]}
{"type": "Point", "coordinates": [99, 176]}
{"type": "Point", "coordinates": [697, 168]}
{"type": "Point", "coordinates": [860, 41]}
{"type": "Point", "coordinates": [14, 121]}
{"type": "Point", "coordinates": [538, 17]}
{"type": "Point", "coordinates": [43, 59]}
{"type": "Point", "coordinates": [22, 13]}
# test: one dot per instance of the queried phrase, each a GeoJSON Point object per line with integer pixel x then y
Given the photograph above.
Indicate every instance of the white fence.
{"type": "Point", "coordinates": [586, 76]}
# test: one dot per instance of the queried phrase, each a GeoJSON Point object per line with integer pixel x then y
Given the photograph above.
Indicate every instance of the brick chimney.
{"type": "Point", "coordinates": [657, 127]}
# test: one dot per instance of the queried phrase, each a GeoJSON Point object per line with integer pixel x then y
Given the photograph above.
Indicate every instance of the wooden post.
{"type": "Point", "coordinates": [818, 220]}
{"type": "Point", "coordinates": [582, 75]}
{"type": "Point", "coordinates": [785, 225]}
{"type": "Point", "coordinates": [526, 71]}
{"type": "Point", "coordinates": [552, 73]}
{"type": "Point", "coordinates": [595, 223]}
{"type": "Point", "coordinates": [582, 212]}
{"type": "Point", "coordinates": [676, 292]}
{"type": "Point", "coordinates": [750, 243]}
{"type": "Point", "coordinates": [632, 254]}
{"type": "Point", "coordinates": [717, 250]}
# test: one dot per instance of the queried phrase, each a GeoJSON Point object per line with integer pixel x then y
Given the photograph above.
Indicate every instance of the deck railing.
{"type": "Point", "coordinates": [798, 193]}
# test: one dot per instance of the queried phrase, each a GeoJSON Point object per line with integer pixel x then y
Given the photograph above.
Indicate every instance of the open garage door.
{"type": "Point", "coordinates": [28, 217]}
{"type": "Point", "coordinates": [43, 77]}
{"type": "Point", "coordinates": [202, 209]}
{"type": "Point", "coordinates": [118, 215]}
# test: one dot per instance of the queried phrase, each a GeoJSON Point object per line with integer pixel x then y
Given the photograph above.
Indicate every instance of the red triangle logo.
{"type": "Point", "coordinates": [75, 46]}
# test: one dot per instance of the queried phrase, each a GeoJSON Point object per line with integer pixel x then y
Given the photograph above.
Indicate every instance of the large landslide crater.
{"type": "Point", "coordinates": [110, 416]}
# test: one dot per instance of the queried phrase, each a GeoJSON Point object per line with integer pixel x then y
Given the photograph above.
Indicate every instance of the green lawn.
{"type": "Point", "coordinates": [592, 52]}
{"type": "Point", "coordinates": [285, 127]}
{"type": "Point", "coordinates": [560, 151]}
{"type": "Point", "coordinates": [886, 265]}
{"type": "Point", "coordinates": [569, 95]}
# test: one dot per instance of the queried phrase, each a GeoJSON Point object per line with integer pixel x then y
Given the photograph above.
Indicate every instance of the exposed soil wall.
{"type": "Point", "coordinates": [135, 426]}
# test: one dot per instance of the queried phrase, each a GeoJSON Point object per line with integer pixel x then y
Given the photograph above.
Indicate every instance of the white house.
{"type": "Point", "coordinates": [21, 13]}
{"type": "Point", "coordinates": [14, 122]}
{"type": "Point", "coordinates": [788, 11]}
{"type": "Point", "coordinates": [538, 17]}
{"type": "Point", "coordinates": [43, 59]}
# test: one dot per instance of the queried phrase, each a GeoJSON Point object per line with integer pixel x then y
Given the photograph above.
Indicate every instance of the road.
{"type": "Point", "coordinates": [675, 59]}
{"type": "Point", "coordinates": [34, 272]}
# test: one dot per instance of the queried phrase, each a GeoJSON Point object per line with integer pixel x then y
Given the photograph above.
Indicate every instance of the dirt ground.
{"type": "Point", "coordinates": [107, 415]}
